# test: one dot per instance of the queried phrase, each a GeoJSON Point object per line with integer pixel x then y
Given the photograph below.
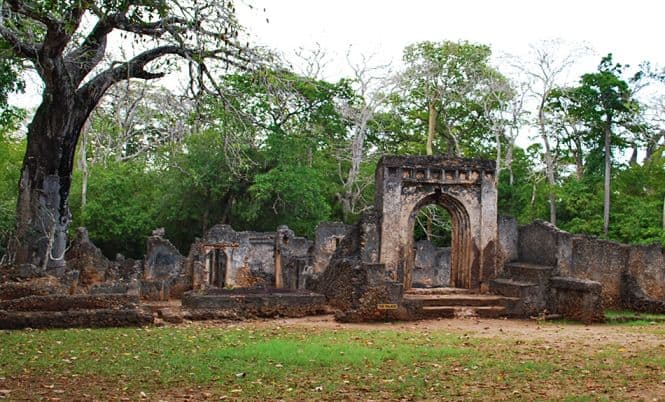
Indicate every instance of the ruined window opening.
{"type": "Point", "coordinates": [217, 261]}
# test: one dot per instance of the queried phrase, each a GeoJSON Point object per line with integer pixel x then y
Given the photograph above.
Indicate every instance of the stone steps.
{"type": "Point", "coordinates": [511, 288]}
{"type": "Point", "coordinates": [438, 291]}
{"type": "Point", "coordinates": [527, 282]}
{"type": "Point", "coordinates": [458, 304]}
{"type": "Point", "coordinates": [459, 300]}
{"type": "Point", "coordinates": [463, 311]}
{"type": "Point", "coordinates": [527, 272]}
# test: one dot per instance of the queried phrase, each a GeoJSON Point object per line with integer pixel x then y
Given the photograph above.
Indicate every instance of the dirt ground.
{"type": "Point", "coordinates": [590, 336]}
{"type": "Point", "coordinates": [552, 335]}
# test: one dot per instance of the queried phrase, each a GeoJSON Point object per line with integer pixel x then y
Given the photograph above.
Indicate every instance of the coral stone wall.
{"type": "Point", "coordinates": [588, 258]}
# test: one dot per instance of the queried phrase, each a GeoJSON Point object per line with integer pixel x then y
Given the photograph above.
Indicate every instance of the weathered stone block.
{"type": "Point", "coordinates": [601, 261]}
{"type": "Point", "coordinates": [538, 243]}
{"type": "Point", "coordinates": [155, 290]}
{"type": "Point", "coordinates": [255, 302]}
{"type": "Point", "coordinates": [647, 265]}
{"type": "Point", "coordinates": [577, 299]}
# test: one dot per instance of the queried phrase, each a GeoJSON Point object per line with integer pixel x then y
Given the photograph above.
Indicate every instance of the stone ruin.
{"type": "Point", "coordinates": [372, 270]}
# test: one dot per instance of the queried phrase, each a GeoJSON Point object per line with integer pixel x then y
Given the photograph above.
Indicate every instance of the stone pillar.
{"type": "Point", "coordinates": [229, 261]}
{"type": "Point", "coordinates": [279, 283]}
{"type": "Point", "coordinates": [206, 268]}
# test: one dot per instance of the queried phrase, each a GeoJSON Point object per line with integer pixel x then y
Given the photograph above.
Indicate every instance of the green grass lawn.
{"type": "Point", "coordinates": [276, 362]}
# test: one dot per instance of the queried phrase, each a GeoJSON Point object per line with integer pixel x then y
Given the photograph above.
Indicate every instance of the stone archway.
{"type": "Point", "coordinates": [460, 246]}
{"type": "Point", "coordinates": [465, 187]}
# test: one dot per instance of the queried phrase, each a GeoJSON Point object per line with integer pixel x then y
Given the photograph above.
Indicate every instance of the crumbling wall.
{"type": "Point", "coordinates": [508, 241]}
{"type": "Point", "coordinates": [432, 266]}
{"type": "Point", "coordinates": [86, 265]}
{"type": "Point", "coordinates": [601, 261]}
{"type": "Point", "coordinates": [326, 239]}
{"type": "Point", "coordinates": [164, 274]}
{"type": "Point", "coordinates": [338, 280]}
{"type": "Point", "coordinates": [647, 265]}
{"type": "Point", "coordinates": [538, 243]}
{"type": "Point", "coordinates": [251, 255]}
{"type": "Point", "coordinates": [260, 258]}
{"type": "Point", "coordinates": [609, 263]}
{"type": "Point", "coordinates": [162, 259]}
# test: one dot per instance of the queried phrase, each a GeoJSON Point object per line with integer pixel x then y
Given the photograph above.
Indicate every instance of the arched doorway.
{"type": "Point", "coordinates": [460, 262]}
{"type": "Point", "coordinates": [432, 234]}
{"type": "Point", "coordinates": [466, 188]}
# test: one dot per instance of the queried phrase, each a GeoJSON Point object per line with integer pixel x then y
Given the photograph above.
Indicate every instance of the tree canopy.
{"type": "Point", "coordinates": [256, 145]}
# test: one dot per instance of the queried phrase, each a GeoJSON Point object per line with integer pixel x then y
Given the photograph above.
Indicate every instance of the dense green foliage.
{"type": "Point", "coordinates": [11, 149]}
{"type": "Point", "coordinates": [11, 152]}
{"type": "Point", "coordinates": [276, 150]}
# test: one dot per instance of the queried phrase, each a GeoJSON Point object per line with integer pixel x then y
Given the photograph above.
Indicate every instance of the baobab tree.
{"type": "Point", "coordinates": [67, 44]}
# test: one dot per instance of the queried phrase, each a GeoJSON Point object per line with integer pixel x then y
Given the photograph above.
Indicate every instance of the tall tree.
{"type": "Point", "coordinates": [371, 83]}
{"type": "Point", "coordinates": [445, 82]}
{"type": "Point", "coordinates": [598, 115]}
{"type": "Point", "coordinates": [606, 102]}
{"type": "Point", "coordinates": [66, 42]}
{"type": "Point", "coordinates": [546, 67]}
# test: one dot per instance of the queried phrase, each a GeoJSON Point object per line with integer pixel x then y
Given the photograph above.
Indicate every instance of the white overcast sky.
{"type": "Point", "coordinates": [632, 30]}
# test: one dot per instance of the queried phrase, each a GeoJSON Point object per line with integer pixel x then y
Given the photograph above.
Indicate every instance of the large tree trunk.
{"type": "Point", "coordinates": [509, 160]}
{"type": "Point", "coordinates": [608, 173]}
{"type": "Point", "coordinates": [83, 166]}
{"type": "Point", "coordinates": [431, 127]}
{"type": "Point", "coordinates": [549, 162]}
{"type": "Point", "coordinates": [579, 162]}
{"type": "Point", "coordinates": [43, 215]}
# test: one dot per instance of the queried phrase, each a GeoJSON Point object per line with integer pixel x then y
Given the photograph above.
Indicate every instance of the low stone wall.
{"type": "Point", "coordinates": [588, 258]}
{"type": "Point", "coordinates": [38, 287]}
{"type": "Point", "coordinates": [634, 298]}
{"type": "Point", "coordinates": [70, 302]}
{"type": "Point", "coordinates": [74, 318]}
{"type": "Point", "coordinates": [65, 311]}
{"type": "Point", "coordinates": [576, 299]}
{"type": "Point", "coordinates": [247, 303]}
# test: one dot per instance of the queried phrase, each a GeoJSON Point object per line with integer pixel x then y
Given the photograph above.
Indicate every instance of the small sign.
{"type": "Point", "coordinates": [386, 306]}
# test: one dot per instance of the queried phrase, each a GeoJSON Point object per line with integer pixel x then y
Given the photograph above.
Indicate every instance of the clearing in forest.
{"type": "Point", "coordinates": [318, 358]}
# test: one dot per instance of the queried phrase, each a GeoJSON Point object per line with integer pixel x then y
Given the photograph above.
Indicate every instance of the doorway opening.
{"type": "Point", "coordinates": [217, 263]}
{"type": "Point", "coordinates": [432, 240]}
